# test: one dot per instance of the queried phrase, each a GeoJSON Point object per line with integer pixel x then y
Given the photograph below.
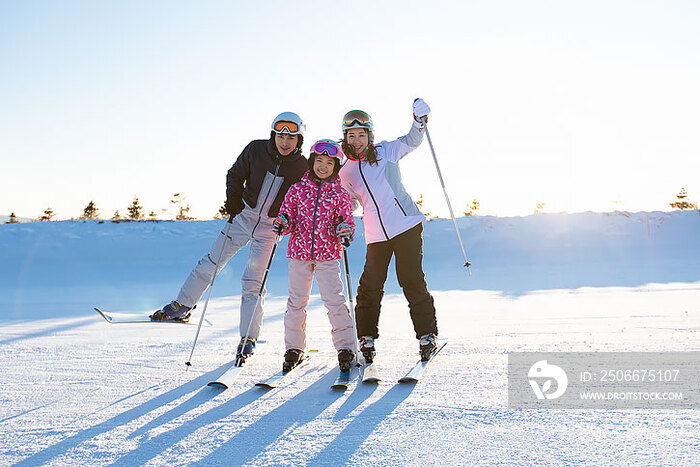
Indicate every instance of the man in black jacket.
{"type": "Point", "coordinates": [255, 188]}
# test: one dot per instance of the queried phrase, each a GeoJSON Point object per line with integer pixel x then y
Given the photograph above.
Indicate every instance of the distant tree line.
{"type": "Point", "coordinates": [181, 210]}
{"type": "Point", "coordinates": [135, 212]}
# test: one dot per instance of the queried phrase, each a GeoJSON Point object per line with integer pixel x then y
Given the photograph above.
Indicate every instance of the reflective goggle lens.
{"type": "Point", "coordinates": [328, 149]}
{"type": "Point", "coordinates": [291, 127]}
{"type": "Point", "coordinates": [357, 117]}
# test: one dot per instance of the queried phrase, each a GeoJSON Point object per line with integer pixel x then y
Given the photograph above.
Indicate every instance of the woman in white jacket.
{"type": "Point", "coordinates": [393, 226]}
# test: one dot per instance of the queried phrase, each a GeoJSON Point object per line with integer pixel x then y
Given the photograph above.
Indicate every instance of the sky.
{"type": "Point", "coordinates": [577, 105]}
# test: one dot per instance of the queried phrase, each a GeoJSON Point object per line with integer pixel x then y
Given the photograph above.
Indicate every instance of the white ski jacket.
{"type": "Point", "coordinates": [388, 210]}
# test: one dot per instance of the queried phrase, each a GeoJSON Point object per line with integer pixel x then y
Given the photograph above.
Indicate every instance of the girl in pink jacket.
{"type": "Point", "coordinates": [318, 213]}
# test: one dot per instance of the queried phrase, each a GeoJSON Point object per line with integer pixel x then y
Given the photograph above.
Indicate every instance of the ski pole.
{"type": "Point", "coordinates": [188, 363]}
{"type": "Point", "coordinates": [444, 190]}
{"type": "Point", "coordinates": [239, 359]}
{"type": "Point", "coordinates": [346, 243]}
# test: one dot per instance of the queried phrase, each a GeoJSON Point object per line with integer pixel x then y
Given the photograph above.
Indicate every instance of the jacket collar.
{"type": "Point", "coordinates": [315, 182]}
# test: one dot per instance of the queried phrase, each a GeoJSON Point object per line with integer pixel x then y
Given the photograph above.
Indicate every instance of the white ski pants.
{"type": "Point", "coordinates": [246, 227]}
{"type": "Point", "coordinates": [330, 286]}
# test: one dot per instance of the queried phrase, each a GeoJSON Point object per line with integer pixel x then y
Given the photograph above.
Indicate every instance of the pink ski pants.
{"type": "Point", "coordinates": [330, 286]}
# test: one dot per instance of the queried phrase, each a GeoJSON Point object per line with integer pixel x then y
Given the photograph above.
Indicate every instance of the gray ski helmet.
{"type": "Point", "coordinates": [288, 122]}
{"type": "Point", "coordinates": [358, 119]}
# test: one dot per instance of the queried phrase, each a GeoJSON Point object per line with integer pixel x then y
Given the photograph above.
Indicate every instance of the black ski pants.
{"type": "Point", "coordinates": [408, 251]}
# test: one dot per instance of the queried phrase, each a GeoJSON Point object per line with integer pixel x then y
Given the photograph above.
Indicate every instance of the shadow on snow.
{"type": "Point", "coordinates": [64, 446]}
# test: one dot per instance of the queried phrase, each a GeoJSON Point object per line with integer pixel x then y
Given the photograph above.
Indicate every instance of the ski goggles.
{"type": "Point", "coordinates": [328, 148]}
{"type": "Point", "coordinates": [356, 118]}
{"type": "Point", "coordinates": [286, 127]}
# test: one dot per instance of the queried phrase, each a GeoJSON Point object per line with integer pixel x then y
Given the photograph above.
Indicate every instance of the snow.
{"type": "Point", "coordinates": [78, 390]}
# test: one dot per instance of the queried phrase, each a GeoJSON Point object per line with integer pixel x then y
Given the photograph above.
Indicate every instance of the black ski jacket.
{"type": "Point", "coordinates": [259, 161]}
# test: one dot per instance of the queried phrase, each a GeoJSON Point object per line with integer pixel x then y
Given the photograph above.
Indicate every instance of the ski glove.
{"type": "Point", "coordinates": [420, 112]}
{"type": "Point", "coordinates": [280, 225]}
{"type": "Point", "coordinates": [344, 232]}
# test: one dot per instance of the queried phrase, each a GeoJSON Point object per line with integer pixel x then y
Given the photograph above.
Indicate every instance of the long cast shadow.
{"type": "Point", "coordinates": [21, 414]}
{"type": "Point", "coordinates": [194, 401]}
{"type": "Point", "coordinates": [46, 455]}
{"type": "Point", "coordinates": [253, 439]}
{"type": "Point", "coordinates": [359, 395]}
{"type": "Point", "coordinates": [154, 446]}
{"type": "Point", "coordinates": [46, 332]}
{"type": "Point", "coordinates": [351, 438]}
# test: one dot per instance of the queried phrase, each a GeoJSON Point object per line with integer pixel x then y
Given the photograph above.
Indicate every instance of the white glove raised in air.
{"type": "Point", "coordinates": [420, 112]}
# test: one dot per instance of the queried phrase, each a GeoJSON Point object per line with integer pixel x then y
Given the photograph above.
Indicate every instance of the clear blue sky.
{"type": "Point", "coordinates": [579, 105]}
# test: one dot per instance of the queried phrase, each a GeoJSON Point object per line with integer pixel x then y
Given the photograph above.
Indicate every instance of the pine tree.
{"type": "Point", "coordinates": [176, 201]}
{"type": "Point", "coordinates": [48, 215]}
{"type": "Point", "coordinates": [681, 203]}
{"type": "Point", "coordinates": [426, 212]}
{"type": "Point", "coordinates": [13, 219]}
{"type": "Point", "coordinates": [116, 215]}
{"type": "Point", "coordinates": [472, 208]}
{"type": "Point", "coordinates": [91, 211]}
{"type": "Point", "coordinates": [183, 214]}
{"type": "Point", "coordinates": [135, 209]}
{"type": "Point", "coordinates": [153, 216]}
{"type": "Point", "coordinates": [181, 209]}
{"type": "Point", "coordinates": [222, 213]}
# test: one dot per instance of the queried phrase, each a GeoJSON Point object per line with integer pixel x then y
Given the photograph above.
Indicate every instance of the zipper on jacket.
{"type": "Point", "coordinates": [379, 215]}
{"type": "Point", "coordinates": [313, 225]}
{"type": "Point", "coordinates": [399, 205]}
{"type": "Point", "coordinates": [269, 190]}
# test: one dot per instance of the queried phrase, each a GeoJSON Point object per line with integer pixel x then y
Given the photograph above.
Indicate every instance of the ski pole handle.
{"type": "Point", "coordinates": [344, 241]}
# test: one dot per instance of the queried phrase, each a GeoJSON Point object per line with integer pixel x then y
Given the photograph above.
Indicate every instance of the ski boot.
{"type": "Point", "coordinates": [345, 359]}
{"type": "Point", "coordinates": [292, 357]}
{"type": "Point", "coordinates": [367, 348]}
{"type": "Point", "coordinates": [173, 311]}
{"type": "Point", "coordinates": [428, 345]}
{"type": "Point", "coordinates": [245, 349]}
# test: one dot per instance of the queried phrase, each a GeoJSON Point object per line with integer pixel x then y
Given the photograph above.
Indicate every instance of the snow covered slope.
{"type": "Point", "coordinates": [142, 265]}
{"type": "Point", "coordinates": [77, 390]}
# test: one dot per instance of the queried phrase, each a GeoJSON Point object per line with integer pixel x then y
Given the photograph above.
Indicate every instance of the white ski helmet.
{"type": "Point", "coordinates": [288, 122]}
{"type": "Point", "coordinates": [358, 119]}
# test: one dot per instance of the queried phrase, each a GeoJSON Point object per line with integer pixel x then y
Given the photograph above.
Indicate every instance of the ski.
{"type": "Point", "coordinates": [111, 320]}
{"type": "Point", "coordinates": [370, 374]}
{"type": "Point", "coordinates": [275, 380]}
{"type": "Point", "coordinates": [344, 379]}
{"type": "Point", "coordinates": [228, 377]}
{"type": "Point", "coordinates": [417, 371]}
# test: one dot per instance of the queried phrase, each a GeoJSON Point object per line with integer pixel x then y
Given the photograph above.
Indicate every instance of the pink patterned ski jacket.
{"type": "Point", "coordinates": [314, 211]}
